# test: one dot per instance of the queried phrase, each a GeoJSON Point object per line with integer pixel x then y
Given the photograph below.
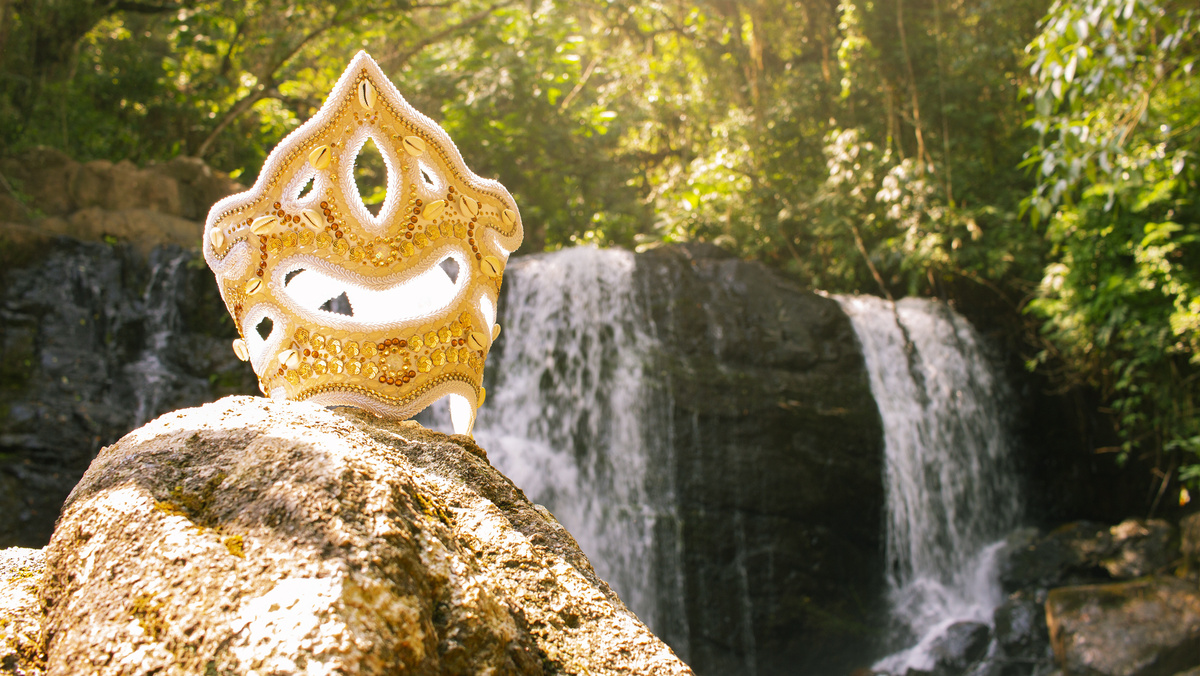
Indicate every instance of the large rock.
{"type": "Point", "coordinates": [1148, 627]}
{"type": "Point", "coordinates": [1083, 552]}
{"type": "Point", "coordinates": [279, 537]}
{"type": "Point", "coordinates": [775, 456]}
{"type": "Point", "coordinates": [21, 571]}
{"type": "Point", "coordinates": [94, 341]}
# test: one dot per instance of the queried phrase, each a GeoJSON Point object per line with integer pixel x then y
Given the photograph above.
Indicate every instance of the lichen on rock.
{"type": "Point", "coordinates": [281, 537]}
{"type": "Point", "coordinates": [21, 571]}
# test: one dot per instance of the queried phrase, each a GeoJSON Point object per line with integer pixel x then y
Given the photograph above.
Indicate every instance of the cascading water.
{"type": "Point", "coordinates": [566, 409]}
{"type": "Point", "coordinates": [152, 376]}
{"type": "Point", "coordinates": [950, 489]}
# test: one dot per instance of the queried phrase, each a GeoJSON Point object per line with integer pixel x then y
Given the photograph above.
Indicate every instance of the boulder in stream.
{"type": "Point", "coordinates": [1146, 627]}
{"type": "Point", "coordinates": [281, 537]}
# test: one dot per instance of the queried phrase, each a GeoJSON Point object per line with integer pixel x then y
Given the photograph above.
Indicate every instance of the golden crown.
{"type": "Point", "coordinates": [414, 330]}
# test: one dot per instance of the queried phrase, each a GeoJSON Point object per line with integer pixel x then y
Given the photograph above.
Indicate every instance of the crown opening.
{"type": "Point", "coordinates": [327, 295]}
{"type": "Point", "coordinates": [306, 190]}
{"type": "Point", "coordinates": [339, 305]}
{"type": "Point", "coordinates": [371, 177]}
{"type": "Point", "coordinates": [303, 191]}
{"type": "Point", "coordinates": [265, 328]}
{"type": "Point", "coordinates": [373, 169]}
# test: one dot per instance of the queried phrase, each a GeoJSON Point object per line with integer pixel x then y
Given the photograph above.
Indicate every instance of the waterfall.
{"type": "Point", "coordinates": [950, 489]}
{"type": "Point", "coordinates": [564, 417]}
{"type": "Point", "coordinates": [153, 377]}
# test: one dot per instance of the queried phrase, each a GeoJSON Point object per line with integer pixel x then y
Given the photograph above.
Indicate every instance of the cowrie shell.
{"type": "Point", "coordinates": [319, 157]}
{"type": "Point", "coordinates": [434, 209]}
{"type": "Point", "coordinates": [312, 219]}
{"type": "Point", "coordinates": [509, 216]}
{"type": "Point", "coordinates": [482, 396]}
{"type": "Point", "coordinates": [289, 358]}
{"type": "Point", "coordinates": [477, 340]}
{"type": "Point", "coordinates": [413, 145]}
{"type": "Point", "coordinates": [467, 206]}
{"type": "Point", "coordinates": [264, 224]}
{"type": "Point", "coordinates": [491, 266]}
{"type": "Point", "coordinates": [216, 237]}
{"type": "Point", "coordinates": [241, 349]}
{"type": "Point", "coordinates": [366, 94]}
{"type": "Point", "coordinates": [495, 332]}
{"type": "Point", "coordinates": [253, 286]}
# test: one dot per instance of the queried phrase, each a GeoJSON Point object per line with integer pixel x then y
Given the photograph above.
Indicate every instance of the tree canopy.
{"type": "Point", "coordinates": [1041, 154]}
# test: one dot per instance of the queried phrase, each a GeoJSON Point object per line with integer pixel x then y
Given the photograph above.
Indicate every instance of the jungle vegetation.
{"type": "Point", "coordinates": [1039, 157]}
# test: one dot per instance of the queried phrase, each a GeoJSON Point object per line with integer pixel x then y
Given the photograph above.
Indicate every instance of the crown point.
{"type": "Point", "coordinates": [366, 94]}
{"type": "Point", "coordinates": [264, 224]}
{"type": "Point", "coordinates": [491, 266]}
{"type": "Point", "coordinates": [216, 237]}
{"type": "Point", "coordinates": [413, 145]}
{"type": "Point", "coordinates": [241, 350]}
{"type": "Point", "coordinates": [320, 156]}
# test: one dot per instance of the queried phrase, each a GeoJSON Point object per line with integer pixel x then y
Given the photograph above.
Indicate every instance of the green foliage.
{"type": "Point", "coordinates": [1117, 107]}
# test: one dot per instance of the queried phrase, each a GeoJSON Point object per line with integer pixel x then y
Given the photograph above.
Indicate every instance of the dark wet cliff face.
{"type": "Point", "coordinates": [95, 341]}
{"type": "Point", "coordinates": [777, 463]}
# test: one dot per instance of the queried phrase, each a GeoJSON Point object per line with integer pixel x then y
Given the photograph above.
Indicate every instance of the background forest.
{"type": "Point", "coordinates": [1033, 163]}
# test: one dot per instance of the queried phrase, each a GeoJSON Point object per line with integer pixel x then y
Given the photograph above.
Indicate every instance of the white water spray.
{"type": "Point", "coordinates": [951, 492]}
{"type": "Point", "coordinates": [564, 417]}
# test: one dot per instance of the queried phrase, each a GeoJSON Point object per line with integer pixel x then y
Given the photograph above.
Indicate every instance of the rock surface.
{"type": "Point", "coordinates": [281, 537]}
{"type": "Point", "coordinates": [1147, 627]}
{"type": "Point", "coordinates": [775, 455]}
{"type": "Point", "coordinates": [21, 571]}
{"type": "Point", "coordinates": [1084, 552]}
{"type": "Point", "coordinates": [963, 644]}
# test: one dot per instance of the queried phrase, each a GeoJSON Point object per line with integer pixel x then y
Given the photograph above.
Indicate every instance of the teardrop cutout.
{"type": "Point", "coordinates": [370, 177]}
